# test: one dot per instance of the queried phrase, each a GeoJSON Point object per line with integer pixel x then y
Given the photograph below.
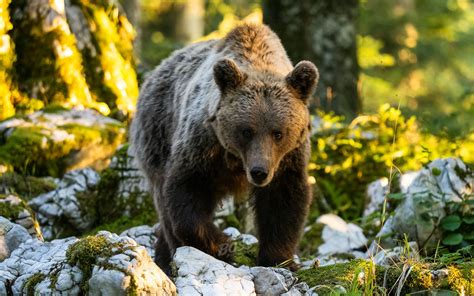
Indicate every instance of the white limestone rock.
{"type": "Point", "coordinates": [43, 268]}
{"type": "Point", "coordinates": [145, 236]}
{"type": "Point", "coordinates": [339, 236]}
{"type": "Point", "coordinates": [133, 188]}
{"type": "Point", "coordinates": [11, 236]}
{"type": "Point", "coordinates": [201, 274]}
{"type": "Point", "coordinates": [60, 211]}
{"type": "Point", "coordinates": [235, 235]}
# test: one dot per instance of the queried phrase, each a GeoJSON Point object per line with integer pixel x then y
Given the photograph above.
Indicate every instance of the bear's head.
{"type": "Point", "coordinates": [262, 116]}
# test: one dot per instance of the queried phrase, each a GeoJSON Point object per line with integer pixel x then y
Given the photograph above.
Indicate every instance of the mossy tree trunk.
{"type": "Point", "coordinates": [71, 53]}
{"type": "Point", "coordinates": [323, 32]}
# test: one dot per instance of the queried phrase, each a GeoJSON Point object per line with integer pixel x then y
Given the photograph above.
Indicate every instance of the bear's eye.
{"type": "Point", "coordinates": [277, 135]}
{"type": "Point", "coordinates": [247, 134]}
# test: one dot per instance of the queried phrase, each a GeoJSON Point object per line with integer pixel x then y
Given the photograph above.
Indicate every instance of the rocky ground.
{"type": "Point", "coordinates": [92, 229]}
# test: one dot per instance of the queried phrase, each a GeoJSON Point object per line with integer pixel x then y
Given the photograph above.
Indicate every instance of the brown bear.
{"type": "Point", "coordinates": [223, 117]}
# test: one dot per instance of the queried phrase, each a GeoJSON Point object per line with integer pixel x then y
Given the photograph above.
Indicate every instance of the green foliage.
{"type": "Point", "coordinates": [457, 226]}
{"type": "Point", "coordinates": [347, 157]}
{"type": "Point", "coordinates": [431, 74]}
{"type": "Point", "coordinates": [363, 277]}
{"type": "Point", "coordinates": [9, 210]}
{"type": "Point", "coordinates": [25, 186]}
{"type": "Point", "coordinates": [244, 254]}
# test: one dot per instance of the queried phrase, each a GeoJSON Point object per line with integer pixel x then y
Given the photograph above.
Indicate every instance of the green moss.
{"type": "Point", "coordinates": [26, 186]}
{"type": "Point", "coordinates": [311, 240]}
{"type": "Point", "coordinates": [109, 67]}
{"type": "Point", "coordinates": [123, 223]}
{"type": "Point", "coordinates": [10, 211]}
{"type": "Point", "coordinates": [85, 253]}
{"type": "Point", "coordinates": [49, 65]}
{"type": "Point", "coordinates": [232, 221]}
{"type": "Point", "coordinates": [30, 150]}
{"type": "Point", "coordinates": [31, 283]}
{"type": "Point", "coordinates": [245, 254]}
{"type": "Point", "coordinates": [327, 277]}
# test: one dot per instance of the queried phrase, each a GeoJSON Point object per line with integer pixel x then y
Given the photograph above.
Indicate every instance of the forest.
{"type": "Point", "coordinates": [390, 169]}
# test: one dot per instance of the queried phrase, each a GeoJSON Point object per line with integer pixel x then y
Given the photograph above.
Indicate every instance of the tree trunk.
{"type": "Point", "coordinates": [323, 32]}
{"type": "Point", "coordinates": [191, 21]}
{"type": "Point", "coordinates": [71, 53]}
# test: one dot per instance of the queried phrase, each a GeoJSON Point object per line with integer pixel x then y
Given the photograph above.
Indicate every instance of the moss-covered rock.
{"type": "Point", "coordinates": [51, 141]}
{"type": "Point", "coordinates": [72, 53]}
{"type": "Point", "coordinates": [25, 186]}
{"type": "Point", "coordinates": [122, 197]}
{"type": "Point", "coordinates": [70, 209]}
{"type": "Point", "coordinates": [17, 211]}
{"type": "Point", "coordinates": [105, 264]}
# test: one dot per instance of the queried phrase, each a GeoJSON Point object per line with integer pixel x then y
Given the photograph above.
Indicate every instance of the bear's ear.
{"type": "Point", "coordinates": [227, 75]}
{"type": "Point", "coordinates": [303, 79]}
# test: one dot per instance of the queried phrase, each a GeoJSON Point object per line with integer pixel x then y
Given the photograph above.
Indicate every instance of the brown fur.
{"type": "Point", "coordinates": [227, 116]}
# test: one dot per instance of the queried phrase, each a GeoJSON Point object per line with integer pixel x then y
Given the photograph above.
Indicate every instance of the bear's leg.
{"type": "Point", "coordinates": [164, 243]}
{"type": "Point", "coordinates": [162, 252]}
{"type": "Point", "coordinates": [281, 208]}
{"type": "Point", "coordinates": [190, 204]}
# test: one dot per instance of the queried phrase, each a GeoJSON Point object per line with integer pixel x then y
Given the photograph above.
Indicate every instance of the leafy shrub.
{"type": "Point", "coordinates": [347, 157]}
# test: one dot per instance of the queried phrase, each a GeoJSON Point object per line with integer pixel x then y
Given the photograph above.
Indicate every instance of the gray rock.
{"type": "Point", "coordinates": [272, 281]}
{"type": "Point", "coordinates": [426, 194]}
{"type": "Point", "coordinates": [235, 235]}
{"type": "Point", "coordinates": [21, 216]}
{"type": "Point", "coordinates": [133, 186]}
{"type": "Point", "coordinates": [376, 192]}
{"type": "Point", "coordinates": [11, 236]}
{"type": "Point", "coordinates": [60, 211]}
{"type": "Point", "coordinates": [201, 274]}
{"type": "Point", "coordinates": [43, 267]}
{"type": "Point", "coordinates": [145, 236]}
{"type": "Point", "coordinates": [339, 236]}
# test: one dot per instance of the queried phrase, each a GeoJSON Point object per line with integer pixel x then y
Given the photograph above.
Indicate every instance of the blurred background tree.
{"type": "Point", "coordinates": [324, 32]}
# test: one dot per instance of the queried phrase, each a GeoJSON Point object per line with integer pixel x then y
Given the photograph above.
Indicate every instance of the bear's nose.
{"type": "Point", "coordinates": [258, 174]}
